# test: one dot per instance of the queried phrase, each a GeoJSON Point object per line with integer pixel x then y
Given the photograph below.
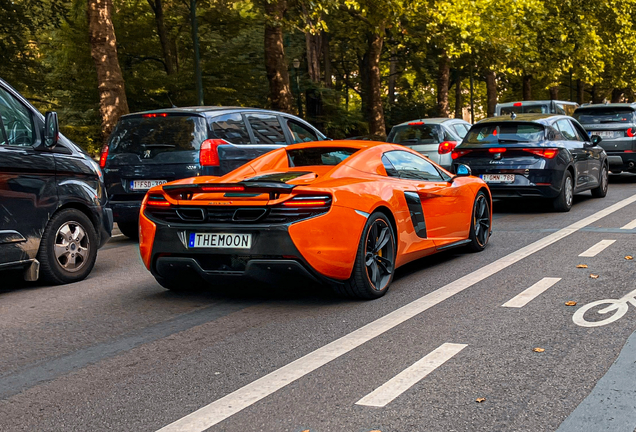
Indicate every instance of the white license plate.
{"type": "Point", "coordinates": [220, 240]}
{"type": "Point", "coordinates": [145, 184]}
{"type": "Point", "coordinates": [608, 134]}
{"type": "Point", "coordinates": [498, 178]}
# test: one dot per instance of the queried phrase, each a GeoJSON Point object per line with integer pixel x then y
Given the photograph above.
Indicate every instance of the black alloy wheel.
{"type": "Point", "coordinates": [480, 223]}
{"type": "Point", "coordinates": [375, 261]}
{"type": "Point", "coordinates": [601, 190]}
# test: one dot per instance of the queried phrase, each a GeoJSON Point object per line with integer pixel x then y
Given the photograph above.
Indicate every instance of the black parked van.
{"type": "Point", "coordinates": [155, 147]}
{"type": "Point", "coordinates": [53, 214]}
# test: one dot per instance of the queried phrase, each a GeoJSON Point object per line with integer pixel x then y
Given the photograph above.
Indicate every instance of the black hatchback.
{"type": "Point", "coordinates": [53, 214]}
{"type": "Point", "coordinates": [150, 148]}
{"type": "Point", "coordinates": [535, 155]}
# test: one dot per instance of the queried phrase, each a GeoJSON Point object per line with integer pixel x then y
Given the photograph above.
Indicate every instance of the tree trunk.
{"type": "Point", "coordinates": [596, 94]}
{"type": "Point", "coordinates": [168, 59]}
{"type": "Point", "coordinates": [527, 87]}
{"type": "Point", "coordinates": [112, 94]}
{"type": "Point", "coordinates": [491, 92]}
{"type": "Point", "coordinates": [314, 49]}
{"type": "Point", "coordinates": [554, 93]}
{"type": "Point", "coordinates": [275, 62]}
{"type": "Point", "coordinates": [376, 110]}
{"type": "Point", "coordinates": [392, 76]}
{"type": "Point", "coordinates": [617, 95]}
{"type": "Point", "coordinates": [326, 55]}
{"type": "Point", "coordinates": [580, 91]}
{"type": "Point", "coordinates": [459, 105]}
{"type": "Point", "coordinates": [443, 82]}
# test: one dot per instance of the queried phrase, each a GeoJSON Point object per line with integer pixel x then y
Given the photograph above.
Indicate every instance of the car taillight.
{"type": "Point", "coordinates": [631, 132]}
{"type": "Point", "coordinates": [103, 157]}
{"type": "Point", "coordinates": [446, 147]}
{"type": "Point", "coordinates": [548, 153]}
{"type": "Point", "coordinates": [308, 201]}
{"type": "Point", "coordinates": [153, 115]}
{"type": "Point", "coordinates": [497, 150]}
{"type": "Point", "coordinates": [458, 153]}
{"type": "Point", "coordinates": [517, 104]}
{"type": "Point", "coordinates": [157, 200]}
{"type": "Point", "coordinates": [209, 153]}
{"type": "Point", "coordinates": [416, 123]}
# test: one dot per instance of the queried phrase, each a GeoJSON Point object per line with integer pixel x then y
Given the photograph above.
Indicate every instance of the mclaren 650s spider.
{"type": "Point", "coordinates": [342, 213]}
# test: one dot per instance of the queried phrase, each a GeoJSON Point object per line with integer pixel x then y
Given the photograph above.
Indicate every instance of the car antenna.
{"type": "Point", "coordinates": [513, 115]}
{"type": "Point", "coordinates": [171, 103]}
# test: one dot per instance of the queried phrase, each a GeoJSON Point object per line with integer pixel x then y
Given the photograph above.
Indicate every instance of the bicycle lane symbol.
{"type": "Point", "coordinates": [620, 306]}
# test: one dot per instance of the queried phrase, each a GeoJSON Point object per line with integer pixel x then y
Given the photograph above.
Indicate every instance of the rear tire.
{"type": "Point", "coordinates": [601, 190]}
{"type": "Point", "coordinates": [68, 248]}
{"type": "Point", "coordinates": [481, 223]}
{"type": "Point", "coordinates": [375, 261]}
{"type": "Point", "coordinates": [563, 202]}
{"type": "Point", "coordinates": [129, 229]}
{"type": "Point", "coordinates": [179, 284]}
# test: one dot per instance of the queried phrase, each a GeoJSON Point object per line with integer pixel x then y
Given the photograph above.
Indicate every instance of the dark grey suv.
{"type": "Point", "coordinates": [155, 147]}
{"type": "Point", "coordinates": [616, 124]}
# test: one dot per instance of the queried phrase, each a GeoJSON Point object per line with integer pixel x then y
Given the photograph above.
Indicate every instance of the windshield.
{"type": "Point", "coordinates": [148, 136]}
{"type": "Point", "coordinates": [416, 134]}
{"type": "Point", "coordinates": [525, 109]}
{"type": "Point", "coordinates": [319, 156]}
{"type": "Point", "coordinates": [604, 115]}
{"type": "Point", "coordinates": [510, 132]}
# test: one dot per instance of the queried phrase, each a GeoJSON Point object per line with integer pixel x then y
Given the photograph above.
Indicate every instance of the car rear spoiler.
{"type": "Point", "coordinates": [273, 188]}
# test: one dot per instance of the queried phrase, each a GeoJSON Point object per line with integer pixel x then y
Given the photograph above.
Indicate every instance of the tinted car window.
{"type": "Point", "coordinates": [300, 133]}
{"type": "Point", "coordinates": [231, 128]}
{"type": "Point", "coordinates": [416, 134]}
{"type": "Point", "coordinates": [410, 166]}
{"type": "Point", "coordinates": [151, 134]}
{"type": "Point", "coordinates": [537, 109]}
{"type": "Point", "coordinates": [460, 130]}
{"type": "Point", "coordinates": [567, 130]}
{"type": "Point", "coordinates": [604, 115]}
{"type": "Point", "coordinates": [267, 129]}
{"type": "Point", "coordinates": [496, 133]}
{"type": "Point", "coordinates": [17, 121]}
{"type": "Point", "coordinates": [319, 156]}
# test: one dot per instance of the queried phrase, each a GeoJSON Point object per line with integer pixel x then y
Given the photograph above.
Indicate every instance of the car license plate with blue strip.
{"type": "Point", "coordinates": [220, 240]}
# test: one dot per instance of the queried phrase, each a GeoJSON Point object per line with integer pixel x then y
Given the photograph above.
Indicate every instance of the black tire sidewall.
{"type": "Point", "coordinates": [360, 270]}
{"type": "Point", "coordinates": [129, 229]}
{"type": "Point", "coordinates": [560, 202]}
{"type": "Point", "coordinates": [599, 192]}
{"type": "Point", "coordinates": [50, 269]}
{"type": "Point", "coordinates": [474, 243]}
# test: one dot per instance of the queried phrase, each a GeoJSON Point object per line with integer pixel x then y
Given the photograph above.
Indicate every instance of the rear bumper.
{"type": "Point", "coordinates": [622, 161]}
{"type": "Point", "coordinates": [523, 191]}
{"type": "Point", "coordinates": [106, 227]}
{"type": "Point", "coordinates": [125, 211]}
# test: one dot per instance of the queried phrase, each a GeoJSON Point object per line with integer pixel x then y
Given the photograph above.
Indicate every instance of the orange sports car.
{"type": "Point", "coordinates": [345, 213]}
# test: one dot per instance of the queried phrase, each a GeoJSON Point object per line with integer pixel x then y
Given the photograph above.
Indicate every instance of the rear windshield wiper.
{"type": "Point", "coordinates": [512, 141]}
{"type": "Point", "coordinates": [158, 145]}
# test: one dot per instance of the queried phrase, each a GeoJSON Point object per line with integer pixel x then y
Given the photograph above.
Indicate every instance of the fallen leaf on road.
{"type": "Point", "coordinates": [538, 349]}
{"type": "Point", "coordinates": [581, 266]}
{"type": "Point", "coordinates": [594, 276]}
{"type": "Point", "coordinates": [629, 257]}
{"type": "Point", "coordinates": [570, 303]}
{"type": "Point", "coordinates": [480, 400]}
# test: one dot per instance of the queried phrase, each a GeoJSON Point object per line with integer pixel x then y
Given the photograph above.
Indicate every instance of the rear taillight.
{"type": "Point", "coordinates": [103, 157]}
{"type": "Point", "coordinates": [497, 150]}
{"type": "Point", "coordinates": [446, 147]}
{"type": "Point", "coordinates": [153, 115]}
{"type": "Point", "coordinates": [157, 200]}
{"type": "Point", "coordinates": [517, 104]}
{"type": "Point", "coordinates": [308, 201]}
{"type": "Point", "coordinates": [631, 132]}
{"type": "Point", "coordinates": [548, 153]}
{"type": "Point", "coordinates": [209, 152]}
{"type": "Point", "coordinates": [416, 123]}
{"type": "Point", "coordinates": [459, 153]}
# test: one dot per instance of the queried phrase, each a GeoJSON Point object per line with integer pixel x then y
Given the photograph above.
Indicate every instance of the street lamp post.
{"type": "Point", "coordinates": [296, 65]}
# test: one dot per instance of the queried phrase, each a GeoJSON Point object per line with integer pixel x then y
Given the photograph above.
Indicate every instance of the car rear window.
{"type": "Point", "coordinates": [416, 133]}
{"type": "Point", "coordinates": [509, 132]}
{"type": "Point", "coordinates": [151, 134]}
{"type": "Point", "coordinates": [604, 115]}
{"type": "Point", "coordinates": [319, 156]}
{"type": "Point", "coordinates": [525, 109]}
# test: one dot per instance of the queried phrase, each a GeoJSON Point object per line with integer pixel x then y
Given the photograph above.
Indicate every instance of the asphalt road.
{"type": "Point", "coordinates": [118, 352]}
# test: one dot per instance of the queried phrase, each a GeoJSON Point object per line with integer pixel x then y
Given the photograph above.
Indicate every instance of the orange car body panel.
{"type": "Point", "coordinates": [358, 186]}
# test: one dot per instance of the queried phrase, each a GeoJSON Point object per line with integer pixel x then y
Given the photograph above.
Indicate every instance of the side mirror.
{"type": "Point", "coordinates": [463, 171]}
{"type": "Point", "coordinates": [596, 140]}
{"type": "Point", "coordinates": [51, 129]}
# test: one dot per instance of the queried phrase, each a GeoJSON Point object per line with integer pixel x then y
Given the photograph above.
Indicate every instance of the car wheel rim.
{"type": "Point", "coordinates": [379, 254]}
{"type": "Point", "coordinates": [568, 191]}
{"type": "Point", "coordinates": [604, 179]}
{"type": "Point", "coordinates": [481, 220]}
{"type": "Point", "coordinates": [71, 246]}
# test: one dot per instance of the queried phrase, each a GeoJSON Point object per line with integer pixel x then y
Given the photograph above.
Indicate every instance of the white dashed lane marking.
{"type": "Point", "coordinates": [597, 248]}
{"type": "Point", "coordinates": [219, 410]}
{"type": "Point", "coordinates": [531, 293]}
{"type": "Point", "coordinates": [410, 376]}
{"type": "Point", "coordinates": [630, 225]}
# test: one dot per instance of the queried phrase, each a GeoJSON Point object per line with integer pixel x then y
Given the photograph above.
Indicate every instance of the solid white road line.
{"type": "Point", "coordinates": [597, 248]}
{"type": "Point", "coordinates": [251, 393]}
{"type": "Point", "coordinates": [410, 376]}
{"type": "Point", "coordinates": [630, 225]}
{"type": "Point", "coordinates": [117, 235]}
{"type": "Point", "coordinates": [531, 293]}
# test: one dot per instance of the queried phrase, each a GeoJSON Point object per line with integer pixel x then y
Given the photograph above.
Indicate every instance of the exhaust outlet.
{"type": "Point", "coordinates": [630, 164]}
